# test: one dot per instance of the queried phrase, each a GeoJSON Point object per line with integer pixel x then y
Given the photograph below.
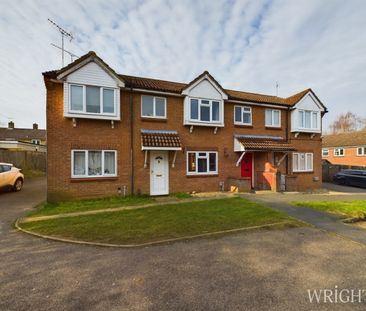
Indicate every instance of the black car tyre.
{"type": "Point", "coordinates": [18, 185]}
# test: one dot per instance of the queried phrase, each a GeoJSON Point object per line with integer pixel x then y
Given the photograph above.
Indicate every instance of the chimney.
{"type": "Point", "coordinates": [35, 126]}
{"type": "Point", "coordinates": [11, 125]}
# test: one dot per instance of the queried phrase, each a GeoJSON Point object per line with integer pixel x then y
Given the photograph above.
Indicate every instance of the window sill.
{"type": "Point", "coordinates": [81, 179]}
{"type": "Point", "coordinates": [202, 175]}
{"type": "Point", "coordinates": [153, 119]}
{"type": "Point", "coordinates": [303, 172]}
{"type": "Point", "coordinates": [273, 127]}
{"type": "Point", "coordinates": [243, 125]}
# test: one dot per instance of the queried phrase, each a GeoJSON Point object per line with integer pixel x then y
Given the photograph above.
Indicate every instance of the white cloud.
{"type": "Point", "coordinates": [246, 45]}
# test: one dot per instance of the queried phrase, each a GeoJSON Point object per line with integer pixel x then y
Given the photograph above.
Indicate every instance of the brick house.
{"type": "Point", "coordinates": [110, 133]}
{"type": "Point", "coordinates": [345, 148]}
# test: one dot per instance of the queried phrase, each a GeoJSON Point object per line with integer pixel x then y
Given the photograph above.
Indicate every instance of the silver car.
{"type": "Point", "coordinates": [10, 176]}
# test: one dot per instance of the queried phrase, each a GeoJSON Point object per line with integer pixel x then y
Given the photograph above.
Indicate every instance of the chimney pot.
{"type": "Point", "coordinates": [11, 125]}
{"type": "Point", "coordinates": [35, 126]}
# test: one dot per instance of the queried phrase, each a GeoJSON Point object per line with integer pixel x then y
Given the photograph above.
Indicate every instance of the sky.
{"type": "Point", "coordinates": [246, 45]}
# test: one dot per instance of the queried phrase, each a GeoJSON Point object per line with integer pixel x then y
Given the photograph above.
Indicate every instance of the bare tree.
{"type": "Point", "coordinates": [347, 122]}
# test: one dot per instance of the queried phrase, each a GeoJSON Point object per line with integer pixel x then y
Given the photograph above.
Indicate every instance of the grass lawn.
{"type": "Point", "coordinates": [44, 208]}
{"type": "Point", "coordinates": [161, 221]}
{"type": "Point", "coordinates": [356, 208]}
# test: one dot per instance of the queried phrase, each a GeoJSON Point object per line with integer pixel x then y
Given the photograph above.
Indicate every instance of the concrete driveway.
{"type": "Point", "coordinates": [340, 188]}
{"type": "Point", "coordinates": [263, 270]}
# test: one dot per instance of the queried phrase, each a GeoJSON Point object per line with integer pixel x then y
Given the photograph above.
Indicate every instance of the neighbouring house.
{"type": "Point", "coordinates": [345, 148]}
{"type": "Point", "coordinates": [12, 138]}
{"type": "Point", "coordinates": [111, 133]}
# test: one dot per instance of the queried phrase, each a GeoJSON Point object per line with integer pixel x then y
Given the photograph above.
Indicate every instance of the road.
{"type": "Point", "coordinates": [262, 270]}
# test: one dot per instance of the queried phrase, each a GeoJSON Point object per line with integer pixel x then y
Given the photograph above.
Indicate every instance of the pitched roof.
{"type": "Point", "coordinates": [160, 139]}
{"type": "Point", "coordinates": [178, 87]}
{"type": "Point", "coordinates": [345, 139]}
{"type": "Point", "coordinates": [205, 73]}
{"type": "Point", "coordinates": [20, 134]}
{"type": "Point", "coordinates": [264, 143]}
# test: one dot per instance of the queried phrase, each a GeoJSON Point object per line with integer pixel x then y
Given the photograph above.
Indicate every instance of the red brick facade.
{"type": "Point", "coordinates": [65, 134]}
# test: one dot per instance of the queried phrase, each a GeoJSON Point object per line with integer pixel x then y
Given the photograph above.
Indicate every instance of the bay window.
{"type": "Point", "coordinates": [273, 118]}
{"type": "Point", "coordinates": [302, 162]}
{"type": "Point", "coordinates": [201, 162]}
{"type": "Point", "coordinates": [243, 115]}
{"type": "Point", "coordinates": [92, 99]}
{"type": "Point", "coordinates": [205, 110]}
{"type": "Point", "coordinates": [308, 119]}
{"type": "Point", "coordinates": [93, 163]}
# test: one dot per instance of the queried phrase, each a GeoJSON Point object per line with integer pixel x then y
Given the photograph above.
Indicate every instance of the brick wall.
{"type": "Point", "coordinates": [98, 134]}
{"type": "Point", "coordinates": [350, 157]}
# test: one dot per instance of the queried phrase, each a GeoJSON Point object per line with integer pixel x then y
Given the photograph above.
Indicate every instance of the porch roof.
{"type": "Point", "coordinates": [263, 143]}
{"type": "Point", "coordinates": [160, 140]}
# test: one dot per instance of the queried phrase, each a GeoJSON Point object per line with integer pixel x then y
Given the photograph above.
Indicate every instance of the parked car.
{"type": "Point", "coordinates": [355, 178]}
{"type": "Point", "coordinates": [10, 176]}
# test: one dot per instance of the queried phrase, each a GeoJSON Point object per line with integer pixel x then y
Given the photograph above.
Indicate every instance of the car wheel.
{"type": "Point", "coordinates": [18, 185]}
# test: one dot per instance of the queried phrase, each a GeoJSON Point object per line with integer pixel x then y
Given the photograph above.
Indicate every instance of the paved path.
{"type": "Point", "coordinates": [263, 270]}
{"type": "Point", "coordinates": [317, 218]}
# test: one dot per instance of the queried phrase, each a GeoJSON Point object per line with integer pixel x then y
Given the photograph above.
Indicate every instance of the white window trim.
{"type": "Point", "coordinates": [272, 118]}
{"type": "Point", "coordinates": [196, 164]}
{"type": "Point", "coordinates": [338, 155]}
{"type": "Point", "coordinates": [363, 153]}
{"type": "Point", "coordinates": [298, 162]}
{"type": "Point", "coordinates": [36, 141]}
{"type": "Point", "coordinates": [311, 120]}
{"type": "Point", "coordinates": [101, 88]}
{"type": "Point", "coordinates": [241, 114]}
{"type": "Point", "coordinates": [219, 121]}
{"type": "Point", "coordinates": [325, 155]}
{"type": "Point", "coordinates": [154, 116]}
{"type": "Point", "coordinates": [86, 164]}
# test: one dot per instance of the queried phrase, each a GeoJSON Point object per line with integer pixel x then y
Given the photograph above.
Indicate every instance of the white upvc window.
{"type": "Point", "coordinates": [90, 99]}
{"type": "Point", "coordinates": [325, 152]}
{"type": "Point", "coordinates": [361, 151]}
{"type": "Point", "coordinates": [302, 162]}
{"type": "Point", "coordinates": [205, 110]}
{"type": "Point", "coordinates": [202, 162]}
{"type": "Point", "coordinates": [309, 120]}
{"type": "Point", "coordinates": [273, 118]}
{"type": "Point", "coordinates": [93, 163]}
{"type": "Point", "coordinates": [153, 107]}
{"type": "Point", "coordinates": [338, 152]}
{"type": "Point", "coordinates": [242, 115]}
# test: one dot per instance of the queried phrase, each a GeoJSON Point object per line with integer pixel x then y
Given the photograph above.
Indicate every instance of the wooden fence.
{"type": "Point", "coordinates": [25, 159]}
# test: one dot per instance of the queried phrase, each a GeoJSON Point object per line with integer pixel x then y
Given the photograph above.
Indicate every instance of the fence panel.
{"type": "Point", "coordinates": [24, 159]}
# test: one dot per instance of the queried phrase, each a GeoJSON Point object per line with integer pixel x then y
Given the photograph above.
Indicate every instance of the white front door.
{"type": "Point", "coordinates": [159, 173]}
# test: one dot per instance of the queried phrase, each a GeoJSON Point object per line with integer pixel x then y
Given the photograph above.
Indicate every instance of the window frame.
{"type": "Point", "coordinates": [325, 155]}
{"type": "Point", "coordinates": [272, 118]}
{"type": "Point", "coordinates": [302, 119]}
{"type": "Point", "coordinates": [35, 141]}
{"type": "Point", "coordinates": [207, 156]}
{"type": "Point", "coordinates": [210, 104]}
{"type": "Point", "coordinates": [363, 153]}
{"type": "Point", "coordinates": [154, 116]}
{"type": "Point", "coordinates": [86, 151]}
{"type": "Point", "coordinates": [306, 169]}
{"type": "Point", "coordinates": [101, 106]}
{"type": "Point", "coordinates": [241, 115]}
{"type": "Point", "coordinates": [336, 152]}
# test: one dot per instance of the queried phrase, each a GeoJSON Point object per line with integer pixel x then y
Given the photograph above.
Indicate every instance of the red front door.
{"type": "Point", "coordinates": [246, 165]}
